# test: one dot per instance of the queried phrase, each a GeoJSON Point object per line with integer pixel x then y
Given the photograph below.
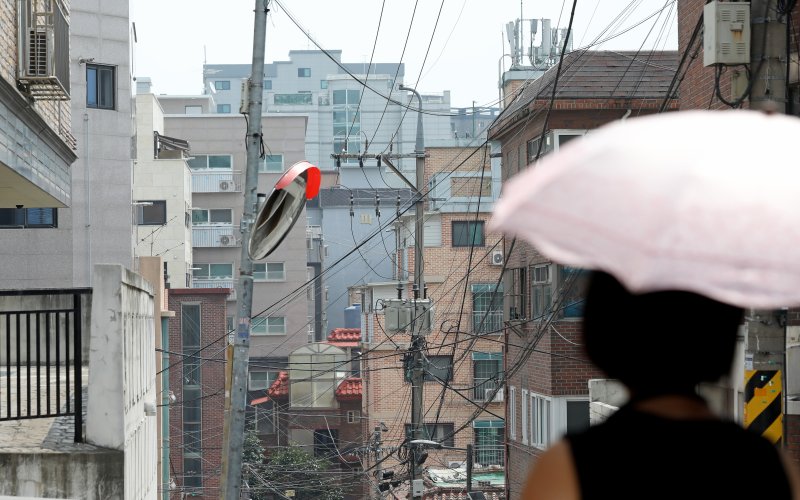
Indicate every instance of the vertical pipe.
{"type": "Point", "coordinates": [28, 362]}
{"type": "Point", "coordinates": [77, 362]}
{"type": "Point", "coordinates": [70, 319]}
{"type": "Point", "coordinates": [58, 363]}
{"type": "Point", "coordinates": [47, 357]}
{"type": "Point", "coordinates": [38, 365]}
{"type": "Point", "coordinates": [8, 364]}
{"type": "Point", "coordinates": [470, 460]}
{"type": "Point", "coordinates": [19, 367]}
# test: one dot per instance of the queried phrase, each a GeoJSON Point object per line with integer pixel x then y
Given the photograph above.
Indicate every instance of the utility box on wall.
{"type": "Point", "coordinates": [726, 38]}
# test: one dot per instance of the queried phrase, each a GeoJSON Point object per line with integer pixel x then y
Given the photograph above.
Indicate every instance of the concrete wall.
{"type": "Point", "coordinates": [89, 475]}
{"type": "Point", "coordinates": [100, 216]}
{"type": "Point", "coordinates": [122, 375]}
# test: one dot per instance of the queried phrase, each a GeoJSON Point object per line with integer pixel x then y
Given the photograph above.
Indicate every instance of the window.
{"type": "Point", "coordinates": [19, 218]}
{"type": "Point", "coordinates": [468, 233]}
{"type": "Point", "coordinates": [214, 162]}
{"type": "Point", "coordinates": [202, 216]}
{"type": "Point", "coordinates": [442, 433]}
{"type": "Point", "coordinates": [577, 416]}
{"type": "Point", "coordinates": [191, 395]}
{"type": "Point", "coordinates": [323, 84]}
{"type": "Point", "coordinates": [487, 308]}
{"type": "Point", "coordinates": [287, 99]}
{"type": "Point", "coordinates": [541, 291]}
{"type": "Point", "coordinates": [272, 163]}
{"type": "Point", "coordinates": [489, 442]}
{"type": "Point", "coordinates": [524, 407]}
{"type": "Point", "coordinates": [267, 84]}
{"type": "Point", "coordinates": [512, 413]}
{"type": "Point", "coordinates": [273, 325]}
{"type": "Point", "coordinates": [488, 375]}
{"type": "Point", "coordinates": [436, 368]}
{"type": "Point", "coordinates": [304, 72]}
{"type": "Point", "coordinates": [193, 110]}
{"type": "Point", "coordinates": [573, 289]}
{"type": "Point", "coordinates": [269, 271]}
{"type": "Point", "coordinates": [223, 108]}
{"type": "Point", "coordinates": [325, 443]}
{"type": "Point", "coordinates": [264, 418]}
{"type": "Point", "coordinates": [212, 271]}
{"type": "Point", "coordinates": [346, 121]}
{"type": "Point", "coordinates": [100, 86]}
{"type": "Point", "coordinates": [518, 296]}
{"type": "Point", "coordinates": [258, 381]}
{"type": "Point", "coordinates": [151, 212]}
{"type": "Point", "coordinates": [222, 85]}
{"type": "Point", "coordinates": [539, 421]}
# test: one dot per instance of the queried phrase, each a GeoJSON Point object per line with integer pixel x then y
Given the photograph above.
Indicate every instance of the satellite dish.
{"type": "Point", "coordinates": [283, 207]}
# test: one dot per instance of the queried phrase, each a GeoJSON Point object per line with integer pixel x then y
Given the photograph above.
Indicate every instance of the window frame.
{"type": "Point", "coordinates": [267, 84]}
{"type": "Point", "coordinates": [208, 221]}
{"type": "Point", "coordinates": [259, 321]}
{"type": "Point", "coordinates": [142, 209]}
{"type": "Point", "coordinates": [99, 100]}
{"type": "Point", "coordinates": [481, 384]}
{"type": "Point", "coordinates": [303, 72]}
{"type": "Point", "coordinates": [266, 271]}
{"type": "Point", "coordinates": [541, 420]}
{"type": "Point", "coordinates": [208, 157]}
{"type": "Point", "coordinates": [222, 84]}
{"type": "Point", "coordinates": [22, 215]}
{"type": "Point", "coordinates": [475, 224]}
{"type": "Point", "coordinates": [208, 275]}
{"type": "Point", "coordinates": [271, 376]}
{"type": "Point", "coordinates": [263, 167]}
{"type": "Point", "coordinates": [223, 108]}
{"type": "Point", "coordinates": [512, 413]}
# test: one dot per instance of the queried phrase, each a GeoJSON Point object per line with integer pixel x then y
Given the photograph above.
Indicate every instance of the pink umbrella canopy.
{"type": "Point", "coordinates": [703, 201]}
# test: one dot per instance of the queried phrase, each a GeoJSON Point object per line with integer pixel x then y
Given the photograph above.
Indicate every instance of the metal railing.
{"type": "Point", "coordinates": [216, 283]}
{"type": "Point", "coordinates": [487, 322]}
{"type": "Point", "coordinates": [41, 355]}
{"type": "Point", "coordinates": [225, 181]}
{"type": "Point", "coordinates": [490, 455]}
{"type": "Point", "coordinates": [222, 236]}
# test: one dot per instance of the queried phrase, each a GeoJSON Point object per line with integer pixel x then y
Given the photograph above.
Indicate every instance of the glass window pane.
{"type": "Point", "coordinates": [223, 108]}
{"type": "Point", "coordinates": [267, 84]}
{"type": "Point", "coordinates": [577, 416]}
{"type": "Point", "coordinates": [106, 87]}
{"type": "Point", "coordinates": [273, 163]}
{"type": "Point", "coordinates": [191, 438]}
{"type": "Point", "coordinates": [220, 216]}
{"type": "Point", "coordinates": [339, 116]}
{"type": "Point", "coordinates": [352, 96]}
{"type": "Point", "coordinates": [259, 271]}
{"type": "Point", "coordinates": [275, 270]}
{"type": "Point", "coordinates": [198, 162]}
{"type": "Point", "coordinates": [199, 216]}
{"type": "Point", "coordinates": [323, 84]}
{"type": "Point", "coordinates": [221, 270]}
{"type": "Point", "coordinates": [190, 327]}
{"type": "Point", "coordinates": [339, 97]}
{"type": "Point", "coordinates": [91, 86]}
{"type": "Point", "coordinates": [219, 161]}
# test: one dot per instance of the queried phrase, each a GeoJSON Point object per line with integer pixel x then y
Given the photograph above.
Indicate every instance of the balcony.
{"type": "Point", "coordinates": [226, 181]}
{"type": "Point", "coordinates": [216, 283]}
{"type": "Point", "coordinates": [487, 322]}
{"type": "Point", "coordinates": [217, 236]}
{"type": "Point", "coordinates": [461, 191]}
{"type": "Point", "coordinates": [487, 455]}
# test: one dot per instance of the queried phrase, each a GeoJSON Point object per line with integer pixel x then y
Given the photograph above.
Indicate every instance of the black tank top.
{"type": "Point", "coordinates": [635, 455]}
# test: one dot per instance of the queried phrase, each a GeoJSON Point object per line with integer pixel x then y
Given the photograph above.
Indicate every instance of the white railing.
{"type": "Point", "coordinates": [216, 283]}
{"type": "Point", "coordinates": [214, 236]}
{"type": "Point", "coordinates": [226, 181]}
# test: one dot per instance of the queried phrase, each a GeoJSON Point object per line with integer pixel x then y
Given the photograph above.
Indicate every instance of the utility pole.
{"type": "Point", "coordinates": [765, 346]}
{"type": "Point", "coordinates": [417, 340]}
{"type": "Point", "coordinates": [232, 479]}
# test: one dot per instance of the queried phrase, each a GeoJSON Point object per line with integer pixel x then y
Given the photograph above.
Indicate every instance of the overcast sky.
{"type": "Point", "coordinates": [175, 37]}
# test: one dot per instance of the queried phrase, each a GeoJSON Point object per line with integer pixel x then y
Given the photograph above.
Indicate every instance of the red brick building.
{"type": "Point", "coordinates": [547, 375]}
{"type": "Point", "coordinates": [197, 380]}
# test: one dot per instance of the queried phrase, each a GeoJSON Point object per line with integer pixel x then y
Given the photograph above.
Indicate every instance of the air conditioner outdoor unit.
{"type": "Point", "coordinates": [497, 258]}
{"type": "Point", "coordinates": [40, 52]}
{"type": "Point", "coordinates": [498, 398]}
{"type": "Point", "coordinates": [227, 186]}
{"type": "Point", "coordinates": [227, 240]}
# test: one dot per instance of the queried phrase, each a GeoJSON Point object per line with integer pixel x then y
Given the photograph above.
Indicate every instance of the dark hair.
{"type": "Point", "coordinates": [658, 342]}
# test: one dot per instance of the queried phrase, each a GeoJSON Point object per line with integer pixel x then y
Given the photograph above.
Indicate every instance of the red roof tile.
{"type": "Point", "coordinates": [339, 335]}
{"type": "Point", "coordinates": [349, 389]}
{"type": "Point", "coordinates": [280, 388]}
{"type": "Point", "coordinates": [258, 401]}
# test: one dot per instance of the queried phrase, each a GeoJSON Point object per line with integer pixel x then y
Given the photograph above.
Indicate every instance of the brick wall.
{"type": "Point", "coordinates": [212, 382]}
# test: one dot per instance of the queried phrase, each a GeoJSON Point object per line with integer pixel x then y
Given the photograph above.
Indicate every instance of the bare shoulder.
{"type": "Point", "coordinates": [553, 477]}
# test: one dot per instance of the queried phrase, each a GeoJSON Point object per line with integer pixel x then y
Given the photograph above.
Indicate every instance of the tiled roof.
{"type": "Point", "coordinates": [260, 400]}
{"type": "Point", "coordinates": [344, 335]}
{"type": "Point", "coordinates": [594, 74]}
{"type": "Point", "coordinates": [280, 388]}
{"type": "Point", "coordinates": [349, 389]}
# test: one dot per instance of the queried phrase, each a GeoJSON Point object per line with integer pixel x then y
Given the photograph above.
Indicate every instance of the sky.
{"type": "Point", "coordinates": [464, 49]}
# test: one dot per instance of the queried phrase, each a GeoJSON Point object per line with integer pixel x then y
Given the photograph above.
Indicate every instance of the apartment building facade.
{"type": "Point", "coordinates": [547, 385]}
{"type": "Point", "coordinates": [463, 395]}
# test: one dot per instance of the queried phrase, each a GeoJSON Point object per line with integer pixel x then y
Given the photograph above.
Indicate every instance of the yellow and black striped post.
{"type": "Point", "coordinates": [763, 407]}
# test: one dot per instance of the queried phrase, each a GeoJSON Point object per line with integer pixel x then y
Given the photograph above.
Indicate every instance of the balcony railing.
{"type": "Point", "coordinates": [487, 322]}
{"type": "Point", "coordinates": [490, 455]}
{"type": "Point", "coordinates": [219, 236]}
{"type": "Point", "coordinates": [226, 181]}
{"type": "Point", "coordinates": [216, 283]}
{"type": "Point", "coordinates": [461, 191]}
